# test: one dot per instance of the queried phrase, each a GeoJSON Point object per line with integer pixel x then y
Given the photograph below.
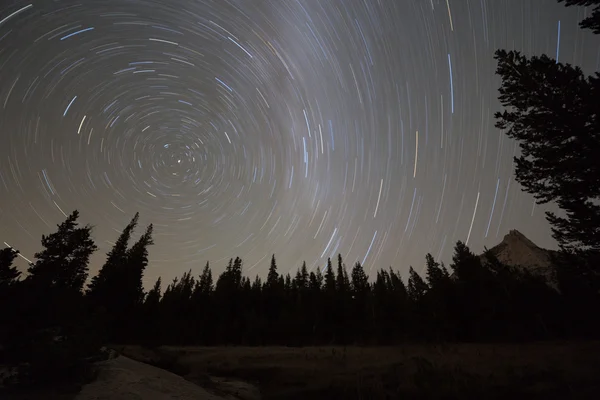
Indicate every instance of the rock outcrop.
{"type": "Point", "coordinates": [122, 378]}
{"type": "Point", "coordinates": [518, 251]}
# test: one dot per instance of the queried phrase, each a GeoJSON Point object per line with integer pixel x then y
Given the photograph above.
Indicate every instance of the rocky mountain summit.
{"type": "Point", "coordinates": [518, 251]}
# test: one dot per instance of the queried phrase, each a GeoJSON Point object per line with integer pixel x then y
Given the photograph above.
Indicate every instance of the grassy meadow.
{"type": "Point", "coordinates": [461, 371]}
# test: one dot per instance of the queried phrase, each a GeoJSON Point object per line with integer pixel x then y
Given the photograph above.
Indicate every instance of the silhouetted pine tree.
{"type": "Point", "coordinates": [228, 301]}
{"type": "Point", "coordinates": [593, 21]}
{"type": "Point", "coordinates": [436, 275]}
{"type": "Point", "coordinates": [399, 306]}
{"type": "Point", "coordinates": [272, 276]}
{"type": "Point", "coordinates": [360, 281]}
{"type": "Point", "coordinates": [152, 300]}
{"type": "Point", "coordinates": [149, 315]}
{"type": "Point", "coordinates": [552, 110]}
{"type": "Point", "coordinates": [273, 297]}
{"type": "Point", "coordinates": [342, 283]}
{"type": "Point", "coordinates": [9, 278]}
{"type": "Point", "coordinates": [435, 302]}
{"type": "Point", "coordinates": [107, 289]}
{"type": "Point", "coordinates": [343, 296]}
{"type": "Point", "coordinates": [474, 281]}
{"type": "Point", "coordinates": [359, 302]}
{"type": "Point", "coordinates": [132, 290]}
{"type": "Point", "coordinates": [101, 288]}
{"type": "Point", "coordinates": [177, 307]}
{"type": "Point", "coordinates": [379, 311]}
{"type": "Point", "coordinates": [202, 306]}
{"type": "Point", "coordinates": [328, 301]}
{"type": "Point", "coordinates": [329, 278]}
{"type": "Point", "coordinates": [315, 280]}
{"type": "Point", "coordinates": [416, 286]}
{"type": "Point", "coordinates": [315, 285]}
{"type": "Point", "coordinates": [137, 261]}
{"type": "Point", "coordinates": [256, 320]}
{"type": "Point", "coordinates": [57, 277]}
{"type": "Point", "coordinates": [63, 264]}
{"type": "Point", "coordinates": [52, 336]}
{"type": "Point", "coordinates": [205, 282]}
{"type": "Point", "coordinates": [302, 277]}
{"type": "Point", "coordinates": [8, 273]}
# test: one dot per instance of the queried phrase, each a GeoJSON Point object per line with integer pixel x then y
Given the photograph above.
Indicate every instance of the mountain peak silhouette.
{"type": "Point", "coordinates": [518, 251]}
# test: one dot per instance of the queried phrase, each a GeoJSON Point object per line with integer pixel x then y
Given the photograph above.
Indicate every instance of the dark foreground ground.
{"type": "Point", "coordinates": [569, 370]}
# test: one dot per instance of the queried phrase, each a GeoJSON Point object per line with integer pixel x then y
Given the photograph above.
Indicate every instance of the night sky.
{"type": "Point", "coordinates": [244, 128]}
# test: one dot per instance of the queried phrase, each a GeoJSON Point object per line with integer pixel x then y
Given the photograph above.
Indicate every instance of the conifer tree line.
{"type": "Point", "coordinates": [474, 299]}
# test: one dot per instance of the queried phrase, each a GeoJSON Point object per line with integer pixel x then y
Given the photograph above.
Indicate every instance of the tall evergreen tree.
{"type": "Point", "coordinates": [153, 297]}
{"type": "Point", "coordinates": [436, 274]}
{"type": "Point", "coordinates": [342, 283]}
{"type": "Point", "coordinates": [234, 273]}
{"type": "Point", "coordinates": [315, 281]}
{"type": "Point", "coordinates": [228, 298]}
{"type": "Point", "coordinates": [360, 280]}
{"type": "Point", "coordinates": [137, 261]}
{"type": "Point", "coordinates": [201, 305]}
{"type": "Point", "coordinates": [273, 297]}
{"type": "Point", "coordinates": [50, 306]}
{"type": "Point", "coordinates": [257, 284]}
{"type": "Point", "coordinates": [397, 286]}
{"type": "Point", "coordinates": [205, 282]}
{"type": "Point", "coordinates": [302, 277]}
{"type": "Point", "coordinates": [224, 280]}
{"type": "Point", "coordinates": [117, 291]}
{"type": "Point", "coordinates": [9, 277]}
{"type": "Point", "coordinates": [416, 285]}
{"type": "Point", "coordinates": [272, 276]}
{"type": "Point", "coordinates": [553, 112]}
{"type": "Point", "coordinates": [149, 314]}
{"type": "Point", "coordinates": [64, 261]}
{"type": "Point", "coordinates": [102, 284]}
{"type": "Point", "coordinates": [466, 266]}
{"type": "Point", "coordinates": [329, 277]}
{"type": "Point", "coordinates": [8, 273]}
{"type": "Point", "coordinates": [360, 289]}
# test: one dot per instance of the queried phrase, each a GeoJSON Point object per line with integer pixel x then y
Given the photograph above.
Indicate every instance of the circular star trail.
{"type": "Point", "coordinates": [246, 128]}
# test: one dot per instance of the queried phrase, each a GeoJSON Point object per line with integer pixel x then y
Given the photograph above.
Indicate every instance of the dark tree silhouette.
{"type": "Point", "coordinates": [9, 274]}
{"type": "Point", "coordinates": [202, 302]}
{"type": "Point", "coordinates": [99, 289]}
{"type": "Point", "coordinates": [342, 282]}
{"type": "Point", "coordinates": [45, 340]}
{"type": "Point", "coordinates": [436, 274]}
{"type": "Point", "coordinates": [272, 276]}
{"type": "Point", "coordinates": [116, 292]}
{"type": "Point", "coordinates": [64, 261]}
{"type": "Point", "coordinates": [329, 277]}
{"type": "Point", "coordinates": [467, 266]}
{"type": "Point", "coordinates": [9, 279]}
{"type": "Point", "coordinates": [552, 110]}
{"type": "Point", "coordinates": [360, 281]}
{"type": "Point", "coordinates": [593, 21]}
{"type": "Point", "coordinates": [129, 290]}
{"type": "Point", "coordinates": [205, 283]}
{"type": "Point", "coordinates": [137, 261]}
{"type": "Point", "coordinates": [416, 286]}
{"type": "Point", "coordinates": [153, 297]}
